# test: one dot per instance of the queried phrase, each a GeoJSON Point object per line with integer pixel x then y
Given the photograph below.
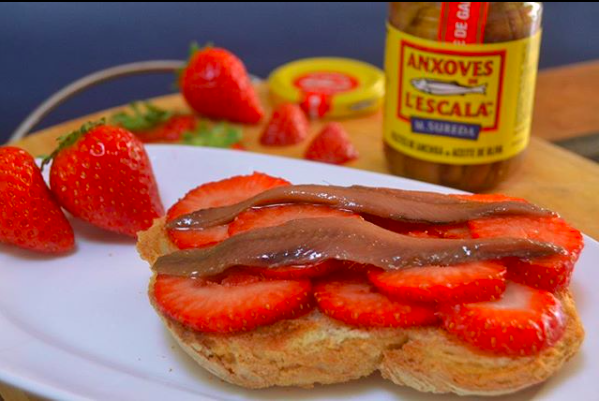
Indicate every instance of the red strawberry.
{"type": "Point", "coordinates": [103, 175]}
{"type": "Point", "coordinates": [30, 216]}
{"type": "Point", "coordinates": [215, 194]}
{"type": "Point", "coordinates": [471, 282]}
{"type": "Point", "coordinates": [154, 124]}
{"type": "Point", "coordinates": [170, 131]}
{"type": "Point", "coordinates": [287, 126]}
{"type": "Point", "coordinates": [295, 272]}
{"type": "Point", "coordinates": [523, 322]}
{"type": "Point", "coordinates": [231, 304]}
{"type": "Point", "coordinates": [488, 198]}
{"type": "Point", "coordinates": [216, 85]}
{"type": "Point", "coordinates": [332, 145]}
{"type": "Point", "coordinates": [277, 215]}
{"type": "Point", "coordinates": [551, 273]}
{"type": "Point", "coordinates": [353, 300]}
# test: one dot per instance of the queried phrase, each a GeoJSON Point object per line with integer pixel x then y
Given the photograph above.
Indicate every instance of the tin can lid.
{"type": "Point", "coordinates": [331, 87]}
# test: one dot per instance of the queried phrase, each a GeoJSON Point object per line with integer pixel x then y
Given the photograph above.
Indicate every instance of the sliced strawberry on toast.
{"type": "Point", "coordinates": [232, 302]}
{"type": "Point", "coordinates": [287, 126]}
{"type": "Point", "coordinates": [524, 321]}
{"type": "Point", "coordinates": [551, 273]}
{"type": "Point", "coordinates": [332, 145]}
{"type": "Point", "coordinates": [353, 300]}
{"type": "Point", "coordinates": [489, 198]}
{"type": "Point", "coordinates": [215, 194]}
{"type": "Point", "coordinates": [470, 282]}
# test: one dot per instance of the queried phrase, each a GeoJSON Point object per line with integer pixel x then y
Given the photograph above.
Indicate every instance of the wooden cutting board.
{"type": "Point", "coordinates": [550, 176]}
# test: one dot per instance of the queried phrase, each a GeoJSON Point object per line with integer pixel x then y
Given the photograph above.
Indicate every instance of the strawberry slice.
{"type": "Point", "coordinates": [488, 198]}
{"type": "Point", "coordinates": [287, 126]}
{"type": "Point", "coordinates": [353, 300]}
{"type": "Point", "coordinates": [215, 194]}
{"type": "Point", "coordinates": [277, 215]}
{"type": "Point", "coordinates": [550, 273]}
{"type": "Point", "coordinates": [332, 145]}
{"type": "Point", "coordinates": [231, 302]}
{"type": "Point", "coordinates": [470, 282]}
{"type": "Point", "coordinates": [523, 322]}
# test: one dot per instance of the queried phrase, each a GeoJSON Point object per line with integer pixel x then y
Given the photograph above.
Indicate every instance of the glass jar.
{"type": "Point", "coordinates": [460, 89]}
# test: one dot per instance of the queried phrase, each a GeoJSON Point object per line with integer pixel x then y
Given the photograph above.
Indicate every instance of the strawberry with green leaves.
{"type": "Point", "coordinates": [30, 217]}
{"type": "Point", "coordinates": [102, 174]}
{"type": "Point", "coordinates": [216, 84]}
{"type": "Point", "coordinates": [152, 124]}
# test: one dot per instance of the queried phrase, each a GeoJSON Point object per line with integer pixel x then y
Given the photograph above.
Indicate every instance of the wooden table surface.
{"type": "Point", "coordinates": [565, 109]}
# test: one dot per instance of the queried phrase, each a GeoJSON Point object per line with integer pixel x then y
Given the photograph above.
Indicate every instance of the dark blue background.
{"type": "Point", "coordinates": [44, 46]}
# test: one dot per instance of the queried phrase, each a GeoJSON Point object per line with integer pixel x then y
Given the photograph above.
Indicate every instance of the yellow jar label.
{"type": "Point", "coordinates": [459, 104]}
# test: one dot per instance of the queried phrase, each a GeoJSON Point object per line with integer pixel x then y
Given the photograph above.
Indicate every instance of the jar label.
{"type": "Point", "coordinates": [459, 104]}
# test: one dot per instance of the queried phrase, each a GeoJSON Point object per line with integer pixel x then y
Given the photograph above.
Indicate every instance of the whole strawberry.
{"type": "Point", "coordinates": [216, 85]}
{"type": "Point", "coordinates": [29, 215]}
{"type": "Point", "coordinates": [152, 124]}
{"type": "Point", "coordinates": [102, 175]}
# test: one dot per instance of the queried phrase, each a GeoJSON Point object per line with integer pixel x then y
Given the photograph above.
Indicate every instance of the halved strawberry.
{"type": "Point", "coordinates": [215, 194]}
{"type": "Point", "coordinates": [332, 145]}
{"type": "Point", "coordinates": [469, 282]}
{"type": "Point", "coordinates": [523, 322]}
{"type": "Point", "coordinates": [551, 273]}
{"type": "Point", "coordinates": [353, 300]}
{"type": "Point", "coordinates": [231, 302]}
{"type": "Point", "coordinates": [277, 215]}
{"type": "Point", "coordinates": [287, 126]}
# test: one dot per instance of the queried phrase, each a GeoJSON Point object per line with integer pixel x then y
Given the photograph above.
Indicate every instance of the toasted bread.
{"type": "Point", "coordinates": [315, 349]}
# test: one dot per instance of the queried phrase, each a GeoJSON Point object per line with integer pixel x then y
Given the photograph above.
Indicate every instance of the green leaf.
{"type": "Point", "coordinates": [71, 138]}
{"type": "Point", "coordinates": [219, 135]}
{"type": "Point", "coordinates": [142, 116]}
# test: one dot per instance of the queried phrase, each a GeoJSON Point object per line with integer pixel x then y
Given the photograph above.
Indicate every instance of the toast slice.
{"type": "Point", "coordinates": [315, 349]}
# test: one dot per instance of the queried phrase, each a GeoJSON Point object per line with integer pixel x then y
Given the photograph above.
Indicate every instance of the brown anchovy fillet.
{"type": "Point", "coordinates": [395, 204]}
{"type": "Point", "coordinates": [305, 241]}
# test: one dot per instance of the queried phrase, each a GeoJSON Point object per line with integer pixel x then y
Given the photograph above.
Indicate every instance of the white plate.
{"type": "Point", "coordinates": [81, 327]}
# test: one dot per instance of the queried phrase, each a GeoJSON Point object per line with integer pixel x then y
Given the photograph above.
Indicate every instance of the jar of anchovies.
{"type": "Point", "coordinates": [460, 89]}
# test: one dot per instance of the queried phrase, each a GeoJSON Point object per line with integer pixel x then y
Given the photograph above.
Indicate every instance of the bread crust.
{"type": "Point", "coordinates": [315, 349]}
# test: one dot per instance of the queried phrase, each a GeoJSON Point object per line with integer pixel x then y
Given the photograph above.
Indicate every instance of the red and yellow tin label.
{"type": "Point", "coordinates": [329, 87]}
{"type": "Point", "coordinates": [454, 103]}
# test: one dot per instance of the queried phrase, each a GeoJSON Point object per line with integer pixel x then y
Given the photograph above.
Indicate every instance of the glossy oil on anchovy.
{"type": "Point", "coordinates": [395, 204]}
{"type": "Point", "coordinates": [305, 241]}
